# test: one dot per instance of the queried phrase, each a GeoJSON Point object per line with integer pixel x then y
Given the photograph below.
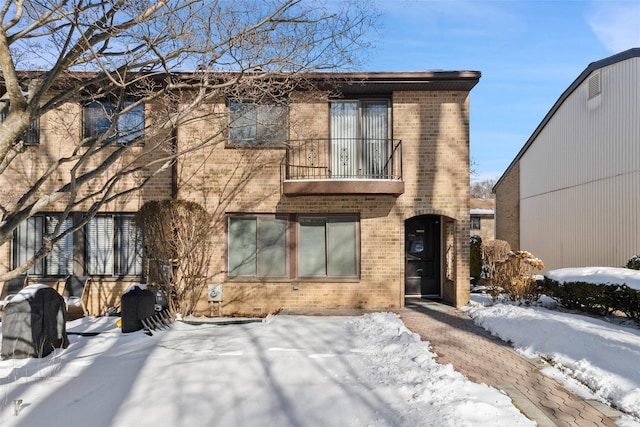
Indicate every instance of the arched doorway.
{"type": "Point", "coordinates": [423, 256]}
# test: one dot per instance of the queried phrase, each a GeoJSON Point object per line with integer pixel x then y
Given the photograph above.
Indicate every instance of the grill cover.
{"type": "Point", "coordinates": [34, 323]}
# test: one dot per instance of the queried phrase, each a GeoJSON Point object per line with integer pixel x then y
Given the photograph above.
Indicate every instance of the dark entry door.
{"type": "Point", "coordinates": [422, 255]}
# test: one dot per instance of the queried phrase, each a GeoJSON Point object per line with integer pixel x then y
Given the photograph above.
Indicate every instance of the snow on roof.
{"type": "Point", "coordinates": [482, 212]}
{"type": "Point", "coordinates": [597, 275]}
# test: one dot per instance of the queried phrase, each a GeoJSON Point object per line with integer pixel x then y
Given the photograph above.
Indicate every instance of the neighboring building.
{"type": "Point", "coordinates": [340, 201]}
{"type": "Point", "coordinates": [572, 194]}
{"type": "Point", "coordinates": [482, 218]}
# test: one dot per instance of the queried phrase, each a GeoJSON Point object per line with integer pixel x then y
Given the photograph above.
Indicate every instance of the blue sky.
{"type": "Point", "coordinates": [529, 52]}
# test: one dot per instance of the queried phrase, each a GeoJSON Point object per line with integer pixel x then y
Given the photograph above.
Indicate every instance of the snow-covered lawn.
{"type": "Point", "coordinates": [307, 371]}
{"type": "Point", "coordinates": [287, 371]}
{"type": "Point", "coordinates": [595, 358]}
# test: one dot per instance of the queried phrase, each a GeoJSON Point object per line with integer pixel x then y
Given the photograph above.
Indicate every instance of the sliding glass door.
{"type": "Point", "coordinates": [359, 139]}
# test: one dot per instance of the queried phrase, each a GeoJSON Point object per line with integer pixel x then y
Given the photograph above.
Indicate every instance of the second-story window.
{"type": "Point", "coordinates": [257, 124]}
{"type": "Point", "coordinates": [360, 139]}
{"type": "Point", "coordinates": [123, 124]}
{"type": "Point", "coordinates": [31, 136]}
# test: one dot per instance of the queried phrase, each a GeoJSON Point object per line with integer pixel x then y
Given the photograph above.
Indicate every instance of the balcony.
{"type": "Point", "coordinates": [343, 166]}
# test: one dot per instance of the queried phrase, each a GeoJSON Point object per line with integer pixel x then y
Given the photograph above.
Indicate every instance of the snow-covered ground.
{"type": "Point", "coordinates": [597, 275]}
{"type": "Point", "coordinates": [308, 371]}
{"type": "Point", "coordinates": [595, 358]}
{"type": "Point", "coordinates": [287, 371]}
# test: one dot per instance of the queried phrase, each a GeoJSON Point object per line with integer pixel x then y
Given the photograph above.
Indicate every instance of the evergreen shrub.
{"type": "Point", "coordinates": [595, 298]}
{"type": "Point", "coordinates": [475, 258]}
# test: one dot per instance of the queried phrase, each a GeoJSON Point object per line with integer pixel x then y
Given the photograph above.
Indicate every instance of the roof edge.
{"type": "Point", "coordinates": [346, 81]}
{"type": "Point", "coordinates": [596, 65]}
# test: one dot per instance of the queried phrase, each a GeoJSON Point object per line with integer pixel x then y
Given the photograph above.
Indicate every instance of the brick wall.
{"type": "Point", "coordinates": [433, 127]}
{"type": "Point", "coordinates": [487, 227]}
{"type": "Point", "coordinates": [508, 207]}
{"type": "Point", "coordinates": [60, 134]}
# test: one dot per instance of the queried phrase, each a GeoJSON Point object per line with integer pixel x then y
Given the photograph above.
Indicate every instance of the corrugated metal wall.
{"type": "Point", "coordinates": [580, 179]}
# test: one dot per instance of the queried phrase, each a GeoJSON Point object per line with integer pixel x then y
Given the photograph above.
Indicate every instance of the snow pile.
{"type": "Point", "coordinates": [477, 211]}
{"type": "Point", "coordinates": [597, 275]}
{"type": "Point", "coordinates": [306, 371]}
{"type": "Point", "coordinates": [594, 352]}
{"type": "Point", "coordinates": [397, 357]}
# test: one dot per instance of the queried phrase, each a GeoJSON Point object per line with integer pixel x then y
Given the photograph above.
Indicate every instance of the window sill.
{"type": "Point", "coordinates": [255, 145]}
{"type": "Point", "coordinates": [297, 280]}
{"type": "Point", "coordinates": [116, 278]}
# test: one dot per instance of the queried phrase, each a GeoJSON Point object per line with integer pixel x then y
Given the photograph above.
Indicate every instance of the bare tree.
{"type": "Point", "coordinates": [170, 59]}
{"type": "Point", "coordinates": [473, 168]}
{"type": "Point", "coordinates": [483, 189]}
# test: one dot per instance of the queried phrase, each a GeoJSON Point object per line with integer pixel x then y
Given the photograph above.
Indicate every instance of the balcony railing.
{"type": "Point", "coordinates": [345, 158]}
{"type": "Point", "coordinates": [343, 166]}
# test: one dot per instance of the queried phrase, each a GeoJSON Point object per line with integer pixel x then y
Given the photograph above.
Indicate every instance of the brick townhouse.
{"type": "Point", "coordinates": [354, 195]}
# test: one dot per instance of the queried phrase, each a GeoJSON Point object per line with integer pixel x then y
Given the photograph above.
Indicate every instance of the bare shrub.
{"type": "Point", "coordinates": [515, 275]}
{"type": "Point", "coordinates": [176, 238]}
{"type": "Point", "coordinates": [493, 251]}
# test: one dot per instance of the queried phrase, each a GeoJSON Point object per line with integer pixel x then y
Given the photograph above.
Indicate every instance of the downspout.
{"type": "Point", "coordinates": [174, 164]}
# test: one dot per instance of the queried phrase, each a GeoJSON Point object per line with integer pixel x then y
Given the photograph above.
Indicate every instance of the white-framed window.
{"type": "Point", "coordinates": [28, 239]}
{"type": "Point", "coordinates": [122, 124]}
{"type": "Point", "coordinates": [31, 136]}
{"type": "Point", "coordinates": [112, 246]}
{"type": "Point", "coordinates": [256, 124]}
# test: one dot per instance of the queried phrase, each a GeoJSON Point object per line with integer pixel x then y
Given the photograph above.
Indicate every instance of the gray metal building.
{"type": "Point", "coordinates": [572, 194]}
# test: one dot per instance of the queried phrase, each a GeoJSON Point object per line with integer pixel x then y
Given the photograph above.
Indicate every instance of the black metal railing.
{"type": "Point", "coordinates": [344, 158]}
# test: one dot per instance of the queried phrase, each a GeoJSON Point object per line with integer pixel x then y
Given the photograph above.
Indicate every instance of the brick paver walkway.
{"type": "Point", "coordinates": [483, 358]}
{"type": "Point", "coordinates": [486, 359]}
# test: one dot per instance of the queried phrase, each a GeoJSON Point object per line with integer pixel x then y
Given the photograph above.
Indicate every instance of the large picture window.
{"type": "Point", "coordinates": [258, 246]}
{"type": "Point", "coordinates": [112, 246]}
{"type": "Point", "coordinates": [327, 246]}
{"type": "Point", "coordinates": [28, 239]}
{"type": "Point", "coordinates": [257, 124]}
{"type": "Point", "coordinates": [127, 120]}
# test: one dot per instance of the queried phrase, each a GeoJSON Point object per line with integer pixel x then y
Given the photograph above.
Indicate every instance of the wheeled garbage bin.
{"type": "Point", "coordinates": [136, 304]}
